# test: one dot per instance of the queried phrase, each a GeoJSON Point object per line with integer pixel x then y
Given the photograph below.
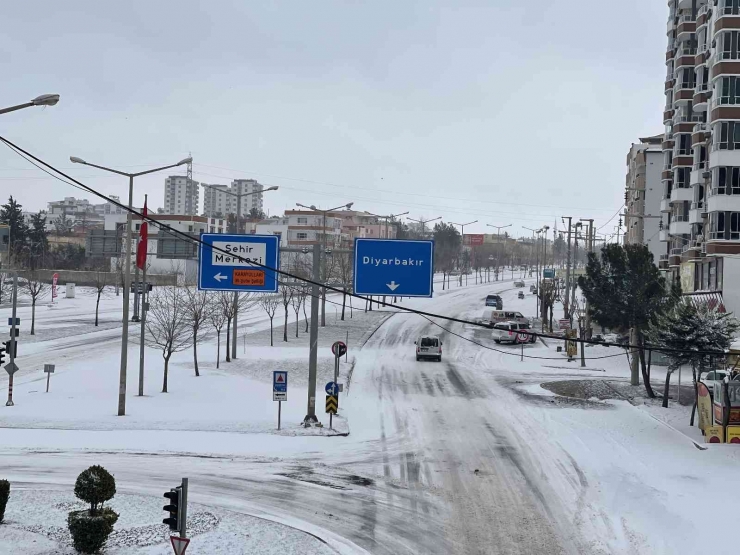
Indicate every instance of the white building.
{"type": "Point", "coordinates": [274, 226]}
{"type": "Point", "coordinates": [253, 200]}
{"type": "Point", "coordinates": [217, 201]}
{"type": "Point", "coordinates": [306, 227]}
{"type": "Point", "coordinates": [181, 197]}
{"type": "Point", "coordinates": [643, 193]}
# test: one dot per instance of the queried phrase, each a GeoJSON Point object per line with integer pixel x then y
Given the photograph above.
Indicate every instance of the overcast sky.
{"type": "Point", "coordinates": [501, 111]}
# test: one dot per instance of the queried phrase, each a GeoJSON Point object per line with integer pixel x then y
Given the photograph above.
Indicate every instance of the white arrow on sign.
{"type": "Point", "coordinates": [218, 277]}
{"type": "Point", "coordinates": [393, 285]}
{"type": "Point", "coordinates": [179, 544]}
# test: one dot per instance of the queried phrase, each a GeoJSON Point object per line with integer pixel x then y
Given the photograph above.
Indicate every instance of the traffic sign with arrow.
{"type": "Point", "coordinates": [229, 262]}
{"type": "Point", "coordinates": [219, 278]}
{"type": "Point", "coordinates": [332, 389]}
{"type": "Point", "coordinates": [394, 267]}
{"type": "Point", "coordinates": [332, 404]}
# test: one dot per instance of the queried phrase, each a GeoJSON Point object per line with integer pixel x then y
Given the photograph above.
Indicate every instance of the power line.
{"type": "Point", "coordinates": [29, 157]}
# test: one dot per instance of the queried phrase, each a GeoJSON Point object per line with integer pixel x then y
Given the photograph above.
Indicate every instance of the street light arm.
{"type": "Point", "coordinates": [14, 108]}
{"type": "Point", "coordinates": [150, 171]}
{"type": "Point", "coordinates": [81, 161]}
{"type": "Point", "coordinates": [43, 100]}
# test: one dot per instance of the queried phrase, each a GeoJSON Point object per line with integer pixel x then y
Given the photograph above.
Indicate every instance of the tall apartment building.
{"type": "Point", "coordinates": [251, 201]}
{"type": "Point", "coordinates": [643, 193]}
{"type": "Point", "coordinates": [217, 201]}
{"type": "Point", "coordinates": [701, 148]}
{"type": "Point", "coordinates": [181, 197]}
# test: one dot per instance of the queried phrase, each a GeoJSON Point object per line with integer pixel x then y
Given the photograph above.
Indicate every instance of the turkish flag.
{"type": "Point", "coordinates": [141, 246]}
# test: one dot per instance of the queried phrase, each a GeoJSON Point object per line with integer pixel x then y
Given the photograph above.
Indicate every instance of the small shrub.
{"type": "Point", "coordinates": [90, 532]}
{"type": "Point", "coordinates": [90, 528]}
{"type": "Point", "coordinates": [95, 486]}
{"type": "Point", "coordinates": [4, 495]}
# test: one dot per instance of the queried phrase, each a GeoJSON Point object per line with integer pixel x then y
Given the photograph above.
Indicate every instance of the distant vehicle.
{"type": "Point", "coordinates": [492, 316]}
{"type": "Point", "coordinates": [429, 346]}
{"type": "Point", "coordinates": [495, 301]}
{"type": "Point", "coordinates": [519, 283]}
{"type": "Point", "coordinates": [523, 268]}
{"type": "Point", "coordinates": [521, 294]}
{"type": "Point", "coordinates": [532, 288]}
{"type": "Point", "coordinates": [454, 273]}
{"type": "Point", "coordinates": [713, 376]}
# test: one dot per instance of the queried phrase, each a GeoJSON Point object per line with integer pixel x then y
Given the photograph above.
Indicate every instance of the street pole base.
{"type": "Point", "coordinates": [9, 404]}
{"type": "Point", "coordinates": [310, 420]}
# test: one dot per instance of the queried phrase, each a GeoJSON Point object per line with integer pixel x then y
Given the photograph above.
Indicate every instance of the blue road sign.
{"type": "Point", "coordinates": [224, 262]}
{"type": "Point", "coordinates": [548, 273]}
{"type": "Point", "coordinates": [394, 267]}
{"type": "Point", "coordinates": [279, 386]}
{"type": "Point", "coordinates": [331, 388]}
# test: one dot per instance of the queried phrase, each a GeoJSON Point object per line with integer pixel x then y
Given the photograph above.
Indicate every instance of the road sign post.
{"type": "Point", "coordinates": [279, 390]}
{"type": "Point", "coordinates": [224, 262]}
{"type": "Point", "coordinates": [49, 370]}
{"type": "Point", "coordinates": [12, 367]}
{"type": "Point", "coordinates": [394, 267]}
{"type": "Point", "coordinates": [338, 349]}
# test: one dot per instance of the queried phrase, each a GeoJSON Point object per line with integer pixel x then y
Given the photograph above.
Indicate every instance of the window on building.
{"type": "Point", "coordinates": [683, 178]}
{"type": "Point", "coordinates": [729, 136]}
{"type": "Point", "coordinates": [729, 90]}
{"type": "Point", "coordinates": [728, 181]}
{"type": "Point", "coordinates": [731, 7]}
{"type": "Point", "coordinates": [301, 236]}
{"type": "Point", "coordinates": [302, 221]}
{"type": "Point", "coordinates": [688, 78]}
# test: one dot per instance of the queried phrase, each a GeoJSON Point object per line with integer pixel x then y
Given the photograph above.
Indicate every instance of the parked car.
{"type": "Point", "coordinates": [711, 377]}
{"type": "Point", "coordinates": [429, 346]}
{"type": "Point", "coordinates": [519, 283]}
{"type": "Point", "coordinates": [532, 288]}
{"type": "Point", "coordinates": [520, 295]}
{"type": "Point", "coordinates": [495, 301]}
{"type": "Point", "coordinates": [491, 316]}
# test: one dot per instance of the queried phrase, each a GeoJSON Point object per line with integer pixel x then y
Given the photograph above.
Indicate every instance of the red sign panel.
{"type": "Point", "coordinates": [474, 240]}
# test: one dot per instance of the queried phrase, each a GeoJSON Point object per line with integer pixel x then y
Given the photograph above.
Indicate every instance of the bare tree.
{"type": "Point", "coordinates": [198, 309]}
{"type": "Point", "coordinates": [297, 300]}
{"type": "Point", "coordinates": [168, 324]}
{"type": "Point", "coordinates": [217, 319]}
{"type": "Point", "coordinates": [286, 297]}
{"type": "Point", "coordinates": [101, 280]}
{"type": "Point", "coordinates": [6, 287]}
{"type": "Point", "coordinates": [269, 304]}
{"type": "Point", "coordinates": [36, 289]}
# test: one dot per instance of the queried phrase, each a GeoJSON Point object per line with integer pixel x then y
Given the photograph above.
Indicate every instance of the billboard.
{"type": "Point", "coordinates": [474, 240]}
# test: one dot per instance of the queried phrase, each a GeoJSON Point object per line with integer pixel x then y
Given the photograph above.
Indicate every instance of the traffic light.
{"type": "Point", "coordinates": [2, 354]}
{"type": "Point", "coordinates": [11, 347]}
{"type": "Point", "coordinates": [175, 497]}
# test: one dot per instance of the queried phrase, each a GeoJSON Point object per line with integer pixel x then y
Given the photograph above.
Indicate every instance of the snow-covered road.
{"type": "Point", "coordinates": [464, 456]}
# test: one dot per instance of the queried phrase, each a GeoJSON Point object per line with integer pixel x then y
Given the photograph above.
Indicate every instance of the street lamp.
{"type": "Point", "coordinates": [387, 219]}
{"type": "Point", "coordinates": [424, 223]}
{"type": "Point", "coordinates": [127, 272]}
{"type": "Point", "coordinates": [43, 100]}
{"type": "Point", "coordinates": [323, 259]}
{"type": "Point", "coordinates": [462, 232]}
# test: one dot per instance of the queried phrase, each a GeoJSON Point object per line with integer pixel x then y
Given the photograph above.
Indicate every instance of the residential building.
{"type": "Point", "coordinates": [274, 226]}
{"type": "Point", "coordinates": [365, 225]}
{"type": "Point", "coordinates": [701, 149]}
{"type": "Point", "coordinates": [72, 214]}
{"type": "Point", "coordinates": [252, 200]}
{"type": "Point", "coordinates": [217, 201]}
{"type": "Point", "coordinates": [308, 227]}
{"type": "Point", "coordinates": [643, 193]}
{"type": "Point", "coordinates": [181, 196]}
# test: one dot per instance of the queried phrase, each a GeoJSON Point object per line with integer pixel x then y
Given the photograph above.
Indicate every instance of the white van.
{"type": "Point", "coordinates": [491, 316]}
{"type": "Point", "coordinates": [507, 332]}
{"type": "Point", "coordinates": [429, 346]}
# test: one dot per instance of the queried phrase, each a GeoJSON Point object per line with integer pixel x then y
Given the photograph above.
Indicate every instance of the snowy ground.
{"type": "Point", "coordinates": [471, 455]}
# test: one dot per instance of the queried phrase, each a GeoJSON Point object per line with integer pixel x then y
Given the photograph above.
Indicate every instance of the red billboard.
{"type": "Point", "coordinates": [474, 240]}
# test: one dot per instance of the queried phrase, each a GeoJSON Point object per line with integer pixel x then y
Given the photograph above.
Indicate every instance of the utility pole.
{"type": "Point", "coordinates": [566, 304]}
{"type": "Point", "coordinates": [144, 308]}
{"type": "Point", "coordinates": [587, 317]}
{"type": "Point", "coordinates": [314, 338]}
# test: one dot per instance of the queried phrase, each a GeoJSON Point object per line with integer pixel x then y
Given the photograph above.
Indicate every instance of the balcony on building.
{"type": "Point", "coordinates": [699, 134]}
{"type": "Point", "coordinates": [683, 123]}
{"type": "Point", "coordinates": [702, 16]}
{"type": "Point", "coordinates": [670, 52]}
{"type": "Point", "coordinates": [700, 97]}
{"type": "Point", "coordinates": [682, 193]}
{"type": "Point", "coordinates": [719, 201]}
{"type": "Point", "coordinates": [674, 259]}
{"type": "Point", "coordinates": [680, 225]}
{"type": "Point", "coordinates": [728, 17]}
{"type": "Point", "coordinates": [667, 116]}
{"type": "Point", "coordinates": [696, 214]}
{"type": "Point", "coordinates": [663, 262]}
{"type": "Point", "coordinates": [665, 205]}
{"type": "Point", "coordinates": [686, 26]}
{"type": "Point", "coordinates": [668, 143]}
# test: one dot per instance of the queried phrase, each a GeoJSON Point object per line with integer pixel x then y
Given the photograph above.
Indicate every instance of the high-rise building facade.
{"type": "Point", "coordinates": [217, 201]}
{"type": "Point", "coordinates": [701, 149]}
{"type": "Point", "coordinates": [643, 193]}
{"type": "Point", "coordinates": [181, 196]}
{"type": "Point", "coordinates": [251, 201]}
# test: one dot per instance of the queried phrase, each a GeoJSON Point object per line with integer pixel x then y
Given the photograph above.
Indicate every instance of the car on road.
{"type": "Point", "coordinates": [430, 347]}
{"type": "Point", "coordinates": [519, 283]}
{"type": "Point", "coordinates": [505, 332]}
{"type": "Point", "coordinates": [495, 301]}
{"type": "Point", "coordinates": [520, 295]}
{"type": "Point", "coordinates": [711, 377]}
